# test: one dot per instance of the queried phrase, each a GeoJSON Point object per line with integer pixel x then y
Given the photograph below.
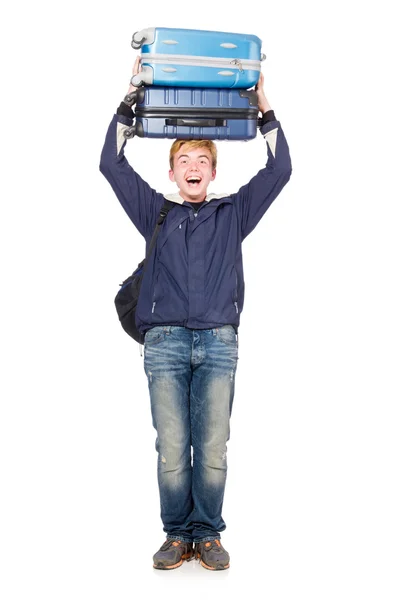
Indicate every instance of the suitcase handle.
{"type": "Point", "coordinates": [197, 122]}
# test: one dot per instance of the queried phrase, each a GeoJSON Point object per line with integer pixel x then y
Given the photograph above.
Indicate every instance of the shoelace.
{"type": "Point", "coordinates": [214, 545]}
{"type": "Point", "coordinates": [170, 543]}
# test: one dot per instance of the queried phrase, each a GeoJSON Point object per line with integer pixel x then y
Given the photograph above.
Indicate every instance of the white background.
{"type": "Point", "coordinates": [311, 498]}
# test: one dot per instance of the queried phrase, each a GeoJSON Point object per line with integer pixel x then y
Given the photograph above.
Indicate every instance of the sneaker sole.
{"type": "Point", "coordinates": [218, 568]}
{"type": "Point", "coordinates": [175, 566]}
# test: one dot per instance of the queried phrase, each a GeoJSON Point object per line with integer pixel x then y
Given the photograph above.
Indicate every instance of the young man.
{"type": "Point", "coordinates": [189, 307]}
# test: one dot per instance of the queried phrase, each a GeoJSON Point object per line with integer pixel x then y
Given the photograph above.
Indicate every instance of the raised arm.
{"type": "Point", "coordinates": [141, 203]}
{"type": "Point", "coordinates": [254, 198]}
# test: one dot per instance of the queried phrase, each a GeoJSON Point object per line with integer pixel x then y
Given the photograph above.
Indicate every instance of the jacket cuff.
{"type": "Point", "coordinates": [125, 110]}
{"type": "Point", "coordinates": [124, 120]}
{"type": "Point", "coordinates": [266, 118]}
{"type": "Point", "coordinates": [269, 126]}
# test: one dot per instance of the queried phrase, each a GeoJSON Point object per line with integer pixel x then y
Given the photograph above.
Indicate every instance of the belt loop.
{"type": "Point", "coordinates": [237, 339]}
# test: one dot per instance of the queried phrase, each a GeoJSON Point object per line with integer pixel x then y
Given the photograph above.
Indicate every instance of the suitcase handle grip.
{"type": "Point", "coordinates": [197, 122]}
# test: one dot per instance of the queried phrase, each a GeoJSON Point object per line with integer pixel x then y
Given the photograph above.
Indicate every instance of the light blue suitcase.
{"type": "Point", "coordinates": [197, 58]}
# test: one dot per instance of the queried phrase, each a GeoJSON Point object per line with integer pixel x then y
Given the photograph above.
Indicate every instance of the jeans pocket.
{"type": "Point", "coordinates": [227, 335]}
{"type": "Point", "coordinates": [154, 336]}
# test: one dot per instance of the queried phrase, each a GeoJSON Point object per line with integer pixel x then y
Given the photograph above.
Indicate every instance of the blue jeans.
{"type": "Point", "coordinates": [191, 382]}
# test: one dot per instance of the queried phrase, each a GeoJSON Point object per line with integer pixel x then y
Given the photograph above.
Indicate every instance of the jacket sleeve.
{"type": "Point", "coordinates": [141, 203]}
{"type": "Point", "coordinates": [253, 199]}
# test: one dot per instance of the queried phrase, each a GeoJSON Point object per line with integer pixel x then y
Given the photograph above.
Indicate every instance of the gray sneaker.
{"type": "Point", "coordinates": [172, 554]}
{"type": "Point", "coordinates": [212, 555]}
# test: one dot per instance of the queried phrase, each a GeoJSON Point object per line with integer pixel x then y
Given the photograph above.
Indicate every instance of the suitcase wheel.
{"type": "Point", "coordinates": [263, 57]}
{"type": "Point", "coordinates": [144, 77]}
{"type": "Point", "coordinates": [136, 80]}
{"type": "Point", "coordinates": [136, 43]}
{"type": "Point", "coordinates": [130, 132]}
{"type": "Point", "coordinates": [130, 99]}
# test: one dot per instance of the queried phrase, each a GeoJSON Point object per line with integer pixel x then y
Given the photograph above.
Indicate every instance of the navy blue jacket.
{"type": "Point", "coordinates": [194, 277]}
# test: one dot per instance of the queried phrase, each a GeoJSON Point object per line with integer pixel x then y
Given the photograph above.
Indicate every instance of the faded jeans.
{"type": "Point", "coordinates": [191, 383]}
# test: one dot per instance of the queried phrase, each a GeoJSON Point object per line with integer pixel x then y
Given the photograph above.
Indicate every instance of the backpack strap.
{"type": "Point", "coordinates": [165, 209]}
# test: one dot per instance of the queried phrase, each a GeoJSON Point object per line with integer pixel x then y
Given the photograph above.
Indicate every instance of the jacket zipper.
{"type": "Point", "coordinates": [235, 302]}
{"type": "Point", "coordinates": [201, 61]}
{"type": "Point", "coordinates": [154, 289]}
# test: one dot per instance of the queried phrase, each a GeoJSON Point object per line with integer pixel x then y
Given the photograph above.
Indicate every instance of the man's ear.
{"type": "Point", "coordinates": [171, 175]}
{"type": "Point", "coordinates": [213, 174]}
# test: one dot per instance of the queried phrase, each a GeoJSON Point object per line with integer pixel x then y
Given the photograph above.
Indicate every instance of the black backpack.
{"type": "Point", "coordinates": [126, 299]}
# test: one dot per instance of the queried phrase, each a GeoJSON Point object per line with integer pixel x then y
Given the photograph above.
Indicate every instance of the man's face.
{"type": "Point", "coordinates": [192, 173]}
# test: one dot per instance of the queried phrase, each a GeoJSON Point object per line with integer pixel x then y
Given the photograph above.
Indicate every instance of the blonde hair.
{"type": "Point", "coordinates": [192, 145]}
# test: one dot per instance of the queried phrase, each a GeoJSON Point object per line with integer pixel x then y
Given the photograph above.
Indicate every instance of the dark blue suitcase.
{"type": "Point", "coordinates": [195, 113]}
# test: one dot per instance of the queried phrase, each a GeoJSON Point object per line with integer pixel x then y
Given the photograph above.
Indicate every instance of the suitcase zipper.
{"type": "Point", "coordinates": [238, 64]}
{"type": "Point", "coordinates": [196, 113]}
{"type": "Point", "coordinates": [201, 61]}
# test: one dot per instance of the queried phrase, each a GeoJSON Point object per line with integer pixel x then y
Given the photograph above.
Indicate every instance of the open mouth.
{"type": "Point", "coordinates": [193, 181]}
